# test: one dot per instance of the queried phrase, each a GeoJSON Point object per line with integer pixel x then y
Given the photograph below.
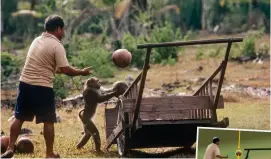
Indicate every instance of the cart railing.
{"type": "Point", "coordinates": [207, 89]}
{"type": "Point", "coordinates": [183, 43]}
{"type": "Point", "coordinates": [133, 92]}
{"type": "Point", "coordinates": [255, 149]}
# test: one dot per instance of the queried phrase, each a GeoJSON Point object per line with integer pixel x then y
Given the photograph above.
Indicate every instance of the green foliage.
{"type": "Point", "coordinates": [92, 53]}
{"type": "Point", "coordinates": [165, 55]}
{"type": "Point", "coordinates": [93, 24]}
{"type": "Point", "coordinates": [164, 34]}
{"type": "Point", "coordinates": [199, 54]}
{"type": "Point", "coordinates": [170, 61]}
{"type": "Point", "coordinates": [190, 14]}
{"type": "Point", "coordinates": [129, 42]}
{"type": "Point", "coordinates": [9, 64]}
{"type": "Point", "coordinates": [109, 2]}
{"type": "Point", "coordinates": [214, 53]}
{"type": "Point", "coordinates": [7, 7]}
{"type": "Point", "coordinates": [247, 47]}
{"type": "Point", "coordinates": [234, 22]}
{"type": "Point", "coordinates": [60, 87]}
{"type": "Point", "coordinates": [263, 50]}
{"type": "Point", "coordinates": [26, 25]}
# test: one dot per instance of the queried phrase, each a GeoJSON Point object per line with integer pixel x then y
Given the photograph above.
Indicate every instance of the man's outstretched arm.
{"type": "Point", "coordinates": [70, 71]}
{"type": "Point", "coordinates": [219, 156]}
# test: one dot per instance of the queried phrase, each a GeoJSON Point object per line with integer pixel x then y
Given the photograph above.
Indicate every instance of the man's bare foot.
{"type": "Point", "coordinates": [8, 154]}
{"type": "Point", "coordinates": [53, 155]}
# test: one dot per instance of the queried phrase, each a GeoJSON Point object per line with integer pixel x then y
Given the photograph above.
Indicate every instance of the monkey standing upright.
{"type": "Point", "coordinates": [92, 96]}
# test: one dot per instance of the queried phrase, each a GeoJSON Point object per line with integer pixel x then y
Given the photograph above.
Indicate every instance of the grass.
{"type": "Point", "coordinates": [229, 142]}
{"type": "Point", "coordinates": [67, 134]}
{"type": "Point", "coordinates": [251, 113]}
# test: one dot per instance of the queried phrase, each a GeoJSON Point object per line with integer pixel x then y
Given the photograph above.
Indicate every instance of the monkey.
{"type": "Point", "coordinates": [92, 96]}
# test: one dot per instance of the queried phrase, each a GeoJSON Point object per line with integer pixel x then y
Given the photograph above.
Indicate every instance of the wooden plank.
{"type": "Point", "coordinates": [164, 115]}
{"type": "Point", "coordinates": [220, 82]}
{"type": "Point", "coordinates": [162, 122]}
{"type": "Point", "coordinates": [115, 134]}
{"type": "Point", "coordinates": [134, 83]}
{"type": "Point", "coordinates": [208, 79]}
{"type": "Point", "coordinates": [153, 104]}
{"type": "Point", "coordinates": [186, 43]}
{"type": "Point", "coordinates": [141, 88]}
{"type": "Point", "coordinates": [111, 115]}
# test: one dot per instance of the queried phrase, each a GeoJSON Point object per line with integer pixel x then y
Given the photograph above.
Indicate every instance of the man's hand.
{"type": "Point", "coordinates": [86, 71]}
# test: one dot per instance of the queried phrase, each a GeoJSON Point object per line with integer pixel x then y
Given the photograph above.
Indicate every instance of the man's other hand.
{"type": "Point", "coordinates": [87, 71]}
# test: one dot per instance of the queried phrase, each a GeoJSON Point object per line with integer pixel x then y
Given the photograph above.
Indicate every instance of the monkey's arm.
{"type": "Point", "coordinates": [105, 97]}
{"type": "Point", "coordinates": [106, 90]}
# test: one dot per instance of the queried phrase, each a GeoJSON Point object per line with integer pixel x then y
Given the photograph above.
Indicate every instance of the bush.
{"type": "Point", "coordinates": [9, 64]}
{"type": "Point", "coordinates": [170, 61]}
{"type": "Point", "coordinates": [92, 53]}
{"type": "Point", "coordinates": [92, 25]}
{"type": "Point", "coordinates": [26, 25]}
{"type": "Point", "coordinates": [214, 53]}
{"type": "Point", "coordinates": [247, 47]}
{"type": "Point", "coordinates": [199, 54]}
{"type": "Point", "coordinates": [164, 34]}
{"type": "Point", "coordinates": [60, 89]}
{"type": "Point", "coordinates": [263, 50]}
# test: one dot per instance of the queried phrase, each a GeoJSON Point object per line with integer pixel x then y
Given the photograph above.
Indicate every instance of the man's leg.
{"type": "Point", "coordinates": [45, 113]}
{"type": "Point", "coordinates": [23, 112]}
{"type": "Point", "coordinates": [15, 130]}
{"type": "Point", "coordinates": [49, 135]}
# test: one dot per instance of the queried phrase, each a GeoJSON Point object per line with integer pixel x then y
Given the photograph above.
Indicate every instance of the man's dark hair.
{"type": "Point", "coordinates": [52, 22]}
{"type": "Point", "coordinates": [215, 139]}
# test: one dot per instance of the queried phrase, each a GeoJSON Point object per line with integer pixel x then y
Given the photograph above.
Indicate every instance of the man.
{"type": "Point", "coordinates": [46, 56]}
{"type": "Point", "coordinates": [212, 151]}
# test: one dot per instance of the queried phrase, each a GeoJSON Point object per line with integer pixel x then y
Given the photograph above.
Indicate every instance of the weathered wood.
{"type": "Point", "coordinates": [134, 83]}
{"type": "Point", "coordinates": [162, 122]}
{"type": "Point", "coordinates": [142, 85]}
{"type": "Point", "coordinates": [111, 115]}
{"type": "Point", "coordinates": [115, 134]}
{"type": "Point", "coordinates": [208, 79]}
{"type": "Point", "coordinates": [165, 104]}
{"type": "Point", "coordinates": [220, 82]}
{"type": "Point", "coordinates": [202, 113]}
{"type": "Point", "coordinates": [164, 115]}
{"type": "Point", "coordinates": [186, 43]}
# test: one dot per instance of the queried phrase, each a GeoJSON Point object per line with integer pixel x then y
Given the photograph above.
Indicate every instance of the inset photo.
{"type": "Point", "coordinates": [214, 143]}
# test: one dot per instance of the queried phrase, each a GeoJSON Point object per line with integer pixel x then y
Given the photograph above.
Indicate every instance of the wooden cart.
{"type": "Point", "coordinates": [152, 122]}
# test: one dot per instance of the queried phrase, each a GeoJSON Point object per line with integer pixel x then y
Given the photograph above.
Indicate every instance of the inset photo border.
{"type": "Point", "coordinates": [233, 143]}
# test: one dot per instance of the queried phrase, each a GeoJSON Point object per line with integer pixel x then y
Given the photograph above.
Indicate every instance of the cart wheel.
{"type": "Point", "coordinates": [121, 140]}
{"type": "Point", "coordinates": [122, 147]}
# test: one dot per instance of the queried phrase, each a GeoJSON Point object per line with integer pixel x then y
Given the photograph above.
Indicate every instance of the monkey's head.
{"type": "Point", "coordinates": [93, 82]}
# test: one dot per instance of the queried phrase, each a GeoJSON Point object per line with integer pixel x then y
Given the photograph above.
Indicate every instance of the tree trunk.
{"type": "Point", "coordinates": [203, 15]}
{"type": "Point", "coordinates": [33, 3]}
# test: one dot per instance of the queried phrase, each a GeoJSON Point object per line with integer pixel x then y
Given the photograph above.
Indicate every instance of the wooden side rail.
{"type": "Point", "coordinates": [172, 108]}
{"type": "Point", "coordinates": [182, 43]}
{"type": "Point", "coordinates": [205, 88]}
{"type": "Point", "coordinates": [192, 42]}
{"type": "Point", "coordinates": [132, 91]}
{"type": "Point", "coordinates": [255, 149]}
